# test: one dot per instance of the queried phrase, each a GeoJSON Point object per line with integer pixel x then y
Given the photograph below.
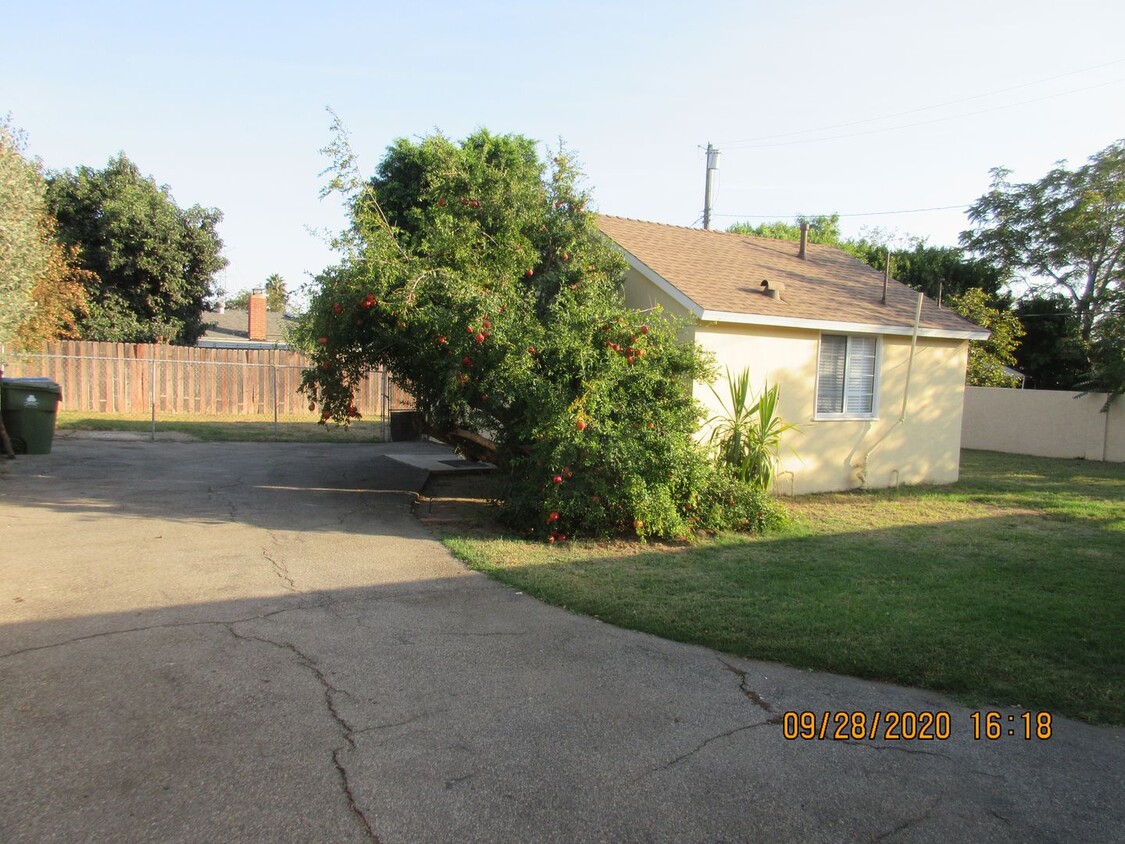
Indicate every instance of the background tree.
{"type": "Point", "coordinates": [1052, 353]}
{"type": "Point", "coordinates": [937, 271]}
{"type": "Point", "coordinates": [277, 299]}
{"type": "Point", "coordinates": [474, 273]}
{"type": "Point", "coordinates": [1065, 232]}
{"type": "Point", "coordinates": [41, 290]}
{"type": "Point", "coordinates": [1107, 358]}
{"type": "Point", "coordinates": [931, 269]}
{"type": "Point", "coordinates": [24, 235]}
{"type": "Point", "coordinates": [154, 261]}
{"type": "Point", "coordinates": [240, 301]}
{"type": "Point", "coordinates": [822, 229]}
{"type": "Point", "coordinates": [987, 358]}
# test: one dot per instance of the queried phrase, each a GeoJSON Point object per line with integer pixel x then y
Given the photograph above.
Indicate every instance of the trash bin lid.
{"type": "Point", "coordinates": [38, 383]}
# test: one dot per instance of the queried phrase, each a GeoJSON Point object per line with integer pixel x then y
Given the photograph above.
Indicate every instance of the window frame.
{"type": "Point", "coordinates": [875, 380]}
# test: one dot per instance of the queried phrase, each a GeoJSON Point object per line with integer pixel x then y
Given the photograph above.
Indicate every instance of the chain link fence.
{"type": "Point", "coordinates": [170, 384]}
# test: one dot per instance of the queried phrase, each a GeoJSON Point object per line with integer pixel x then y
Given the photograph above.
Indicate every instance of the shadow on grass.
{"type": "Point", "coordinates": [1016, 600]}
{"type": "Point", "coordinates": [228, 429]}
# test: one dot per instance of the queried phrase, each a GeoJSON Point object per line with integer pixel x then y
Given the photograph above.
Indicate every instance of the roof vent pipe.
{"type": "Point", "coordinates": [803, 254]}
{"type": "Point", "coordinates": [886, 276]}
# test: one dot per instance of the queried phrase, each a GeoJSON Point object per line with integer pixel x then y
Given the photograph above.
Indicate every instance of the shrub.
{"type": "Point", "coordinates": [747, 434]}
{"type": "Point", "coordinates": [474, 273]}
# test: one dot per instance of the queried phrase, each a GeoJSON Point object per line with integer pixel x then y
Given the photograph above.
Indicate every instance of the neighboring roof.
{"type": "Point", "coordinates": [232, 328]}
{"type": "Point", "coordinates": [1015, 373]}
{"type": "Point", "coordinates": [718, 277]}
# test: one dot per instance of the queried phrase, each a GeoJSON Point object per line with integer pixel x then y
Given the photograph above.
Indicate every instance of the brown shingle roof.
{"type": "Point", "coordinates": [721, 274]}
{"type": "Point", "coordinates": [233, 327]}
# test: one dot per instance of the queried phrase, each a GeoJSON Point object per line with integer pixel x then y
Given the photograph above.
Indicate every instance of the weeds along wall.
{"type": "Point", "coordinates": [146, 379]}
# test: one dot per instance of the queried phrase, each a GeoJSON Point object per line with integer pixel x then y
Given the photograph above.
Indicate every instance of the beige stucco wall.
{"type": "Point", "coordinates": [1046, 423]}
{"type": "Point", "coordinates": [837, 454]}
{"type": "Point", "coordinates": [840, 454]}
{"type": "Point", "coordinates": [643, 295]}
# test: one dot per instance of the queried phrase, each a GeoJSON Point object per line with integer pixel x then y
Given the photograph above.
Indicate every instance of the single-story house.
{"type": "Point", "coordinates": [253, 328]}
{"type": "Point", "coordinates": [877, 398]}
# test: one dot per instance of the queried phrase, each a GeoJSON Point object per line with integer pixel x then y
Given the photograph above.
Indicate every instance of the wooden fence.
{"type": "Point", "coordinates": [127, 378]}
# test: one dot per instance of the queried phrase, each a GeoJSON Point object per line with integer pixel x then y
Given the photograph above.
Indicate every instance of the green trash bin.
{"type": "Point", "coordinates": [29, 407]}
{"type": "Point", "coordinates": [406, 425]}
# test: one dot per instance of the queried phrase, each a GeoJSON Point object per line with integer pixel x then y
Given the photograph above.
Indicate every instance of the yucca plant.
{"type": "Point", "coordinates": [746, 436]}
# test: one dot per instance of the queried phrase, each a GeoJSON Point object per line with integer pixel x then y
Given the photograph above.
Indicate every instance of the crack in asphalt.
{"type": "Point", "coordinates": [165, 626]}
{"type": "Point", "coordinates": [751, 695]}
{"type": "Point", "coordinates": [449, 784]}
{"type": "Point", "coordinates": [282, 571]}
{"type": "Point", "coordinates": [391, 724]}
{"type": "Point", "coordinates": [708, 741]}
{"type": "Point", "coordinates": [999, 817]}
{"type": "Point", "coordinates": [911, 750]}
{"type": "Point", "coordinates": [221, 489]}
{"type": "Point", "coordinates": [919, 752]}
{"type": "Point", "coordinates": [347, 788]}
{"type": "Point", "coordinates": [347, 731]}
{"type": "Point", "coordinates": [909, 822]}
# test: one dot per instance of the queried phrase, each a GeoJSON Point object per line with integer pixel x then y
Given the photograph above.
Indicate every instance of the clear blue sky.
{"type": "Point", "coordinates": [225, 102]}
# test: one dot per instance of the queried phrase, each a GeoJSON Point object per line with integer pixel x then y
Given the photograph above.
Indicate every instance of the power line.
{"type": "Point", "coordinates": [922, 108]}
{"type": "Point", "coordinates": [736, 144]}
{"type": "Point", "coordinates": [858, 214]}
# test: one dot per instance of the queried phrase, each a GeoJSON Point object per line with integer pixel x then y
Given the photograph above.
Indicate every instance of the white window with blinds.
{"type": "Point", "coordinates": [845, 377]}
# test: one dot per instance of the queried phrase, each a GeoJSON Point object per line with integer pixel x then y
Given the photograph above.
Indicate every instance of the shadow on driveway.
{"type": "Point", "coordinates": [259, 642]}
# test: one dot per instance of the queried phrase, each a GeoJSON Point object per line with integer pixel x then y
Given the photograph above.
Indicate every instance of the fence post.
{"type": "Point", "coordinates": [273, 372]}
{"type": "Point", "coordinates": [384, 397]}
{"type": "Point", "coordinates": [152, 394]}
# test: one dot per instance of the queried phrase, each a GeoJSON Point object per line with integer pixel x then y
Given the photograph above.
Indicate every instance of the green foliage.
{"type": "Point", "coordinates": [822, 229]}
{"type": "Point", "coordinates": [1052, 353]}
{"type": "Point", "coordinates": [40, 290]}
{"type": "Point", "coordinates": [987, 358]}
{"type": "Point", "coordinates": [1107, 358]}
{"type": "Point", "coordinates": [473, 272]}
{"type": "Point", "coordinates": [23, 241]}
{"type": "Point", "coordinates": [240, 301]}
{"type": "Point", "coordinates": [277, 298]}
{"type": "Point", "coordinates": [1065, 232]}
{"type": "Point", "coordinates": [746, 436]}
{"type": "Point", "coordinates": [933, 270]}
{"type": "Point", "coordinates": [154, 261]}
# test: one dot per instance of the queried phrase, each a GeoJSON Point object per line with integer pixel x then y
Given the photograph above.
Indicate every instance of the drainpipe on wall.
{"type": "Point", "coordinates": [1105, 432]}
{"type": "Point", "coordinates": [861, 474]}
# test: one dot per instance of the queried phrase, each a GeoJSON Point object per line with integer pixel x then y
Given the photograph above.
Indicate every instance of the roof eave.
{"type": "Point", "coordinates": [839, 325]}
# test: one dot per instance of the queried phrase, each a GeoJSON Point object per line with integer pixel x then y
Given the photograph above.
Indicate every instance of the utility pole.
{"type": "Point", "coordinates": [712, 166]}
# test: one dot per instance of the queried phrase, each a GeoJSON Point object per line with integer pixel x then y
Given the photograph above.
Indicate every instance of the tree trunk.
{"type": "Point", "coordinates": [472, 445]}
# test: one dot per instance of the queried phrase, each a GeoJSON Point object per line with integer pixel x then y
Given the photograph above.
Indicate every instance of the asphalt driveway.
{"type": "Point", "coordinates": [259, 642]}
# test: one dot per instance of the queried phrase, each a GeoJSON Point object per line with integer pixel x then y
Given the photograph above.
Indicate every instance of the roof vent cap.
{"type": "Point", "coordinates": [773, 289]}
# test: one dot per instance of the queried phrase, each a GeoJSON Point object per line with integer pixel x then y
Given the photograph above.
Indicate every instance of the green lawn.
{"type": "Point", "coordinates": [1007, 588]}
{"type": "Point", "coordinates": [225, 428]}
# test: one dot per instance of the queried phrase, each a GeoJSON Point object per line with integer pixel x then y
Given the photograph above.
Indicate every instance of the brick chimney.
{"type": "Point", "coordinates": [258, 314]}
